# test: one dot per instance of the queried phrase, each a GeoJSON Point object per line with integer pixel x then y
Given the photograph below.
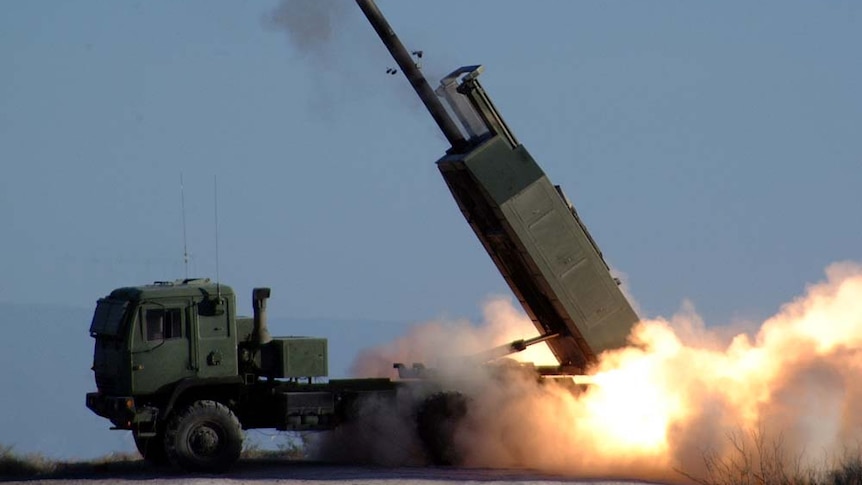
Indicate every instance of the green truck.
{"type": "Point", "coordinates": [177, 366]}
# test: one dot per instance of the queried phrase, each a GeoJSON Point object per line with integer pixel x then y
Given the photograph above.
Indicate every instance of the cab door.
{"type": "Point", "coordinates": [161, 349]}
{"type": "Point", "coordinates": [215, 339]}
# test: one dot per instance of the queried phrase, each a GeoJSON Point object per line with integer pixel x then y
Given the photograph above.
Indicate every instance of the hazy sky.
{"type": "Point", "coordinates": [713, 149]}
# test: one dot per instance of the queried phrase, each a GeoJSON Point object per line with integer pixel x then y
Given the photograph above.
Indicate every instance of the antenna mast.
{"type": "Point", "coordinates": [215, 195]}
{"type": "Point", "coordinates": [185, 241]}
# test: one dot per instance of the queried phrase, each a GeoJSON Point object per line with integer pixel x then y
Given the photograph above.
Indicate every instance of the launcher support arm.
{"type": "Point", "coordinates": [511, 348]}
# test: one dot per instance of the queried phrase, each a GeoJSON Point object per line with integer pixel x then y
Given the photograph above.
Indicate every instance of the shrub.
{"type": "Point", "coordinates": [754, 460]}
{"type": "Point", "coordinates": [15, 465]}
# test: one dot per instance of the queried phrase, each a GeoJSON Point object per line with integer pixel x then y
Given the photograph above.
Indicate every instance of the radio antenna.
{"type": "Point", "coordinates": [215, 196]}
{"type": "Point", "coordinates": [185, 241]}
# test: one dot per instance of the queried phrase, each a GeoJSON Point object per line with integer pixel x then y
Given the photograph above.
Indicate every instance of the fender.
{"type": "Point", "coordinates": [196, 382]}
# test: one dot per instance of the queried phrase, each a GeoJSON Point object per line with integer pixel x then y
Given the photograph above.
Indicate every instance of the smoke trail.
{"type": "Point", "coordinates": [332, 52]}
{"type": "Point", "coordinates": [347, 60]}
{"type": "Point", "coordinates": [311, 25]}
{"type": "Point", "coordinates": [681, 397]}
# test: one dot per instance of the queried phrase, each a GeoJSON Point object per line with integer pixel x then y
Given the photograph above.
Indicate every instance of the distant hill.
{"type": "Point", "coordinates": [46, 354]}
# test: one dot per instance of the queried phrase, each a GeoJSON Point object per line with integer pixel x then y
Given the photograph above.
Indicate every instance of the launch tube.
{"type": "Point", "coordinates": [417, 80]}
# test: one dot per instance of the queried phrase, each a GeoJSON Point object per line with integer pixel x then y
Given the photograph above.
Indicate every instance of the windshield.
{"type": "Point", "coordinates": [108, 318]}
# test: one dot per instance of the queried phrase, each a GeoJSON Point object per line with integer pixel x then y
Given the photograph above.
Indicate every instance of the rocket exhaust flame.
{"type": "Point", "coordinates": [653, 409]}
{"type": "Point", "coordinates": [669, 400]}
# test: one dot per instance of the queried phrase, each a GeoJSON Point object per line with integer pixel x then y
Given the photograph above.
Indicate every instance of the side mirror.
{"type": "Point", "coordinates": [211, 307]}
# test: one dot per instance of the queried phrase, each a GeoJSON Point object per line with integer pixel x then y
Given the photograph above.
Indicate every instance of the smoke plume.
{"type": "Point", "coordinates": [346, 59]}
{"type": "Point", "coordinates": [332, 49]}
{"type": "Point", "coordinates": [682, 399]}
{"type": "Point", "coordinates": [311, 25]}
{"type": "Point", "coordinates": [439, 343]}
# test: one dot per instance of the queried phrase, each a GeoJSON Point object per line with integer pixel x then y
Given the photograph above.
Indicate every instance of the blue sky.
{"type": "Point", "coordinates": [713, 149]}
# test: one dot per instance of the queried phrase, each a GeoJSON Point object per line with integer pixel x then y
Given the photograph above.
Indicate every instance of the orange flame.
{"type": "Point", "coordinates": [676, 394]}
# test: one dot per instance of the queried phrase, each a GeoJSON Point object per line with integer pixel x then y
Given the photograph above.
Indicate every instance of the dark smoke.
{"type": "Point", "coordinates": [348, 61]}
{"type": "Point", "coordinates": [311, 25]}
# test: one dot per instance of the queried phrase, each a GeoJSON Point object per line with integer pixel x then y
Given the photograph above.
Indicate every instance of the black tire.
{"type": "Point", "coordinates": [152, 449]}
{"type": "Point", "coordinates": [436, 421]}
{"type": "Point", "coordinates": [205, 436]}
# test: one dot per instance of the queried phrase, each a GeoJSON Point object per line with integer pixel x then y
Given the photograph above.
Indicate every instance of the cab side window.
{"type": "Point", "coordinates": [164, 323]}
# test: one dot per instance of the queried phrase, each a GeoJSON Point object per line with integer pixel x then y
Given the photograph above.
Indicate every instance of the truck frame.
{"type": "Point", "coordinates": [176, 366]}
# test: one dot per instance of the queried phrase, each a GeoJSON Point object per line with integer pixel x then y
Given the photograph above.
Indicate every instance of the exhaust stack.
{"type": "Point", "coordinates": [260, 333]}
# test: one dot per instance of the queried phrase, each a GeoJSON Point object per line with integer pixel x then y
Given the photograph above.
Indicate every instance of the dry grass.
{"type": "Point", "coordinates": [755, 460]}
{"type": "Point", "coordinates": [30, 465]}
{"type": "Point", "coordinates": [15, 465]}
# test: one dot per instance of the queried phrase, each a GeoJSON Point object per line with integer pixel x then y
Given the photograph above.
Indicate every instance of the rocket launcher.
{"type": "Point", "coordinates": [526, 224]}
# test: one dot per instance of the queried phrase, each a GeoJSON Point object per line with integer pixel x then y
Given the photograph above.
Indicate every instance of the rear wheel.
{"type": "Point", "coordinates": [205, 436]}
{"type": "Point", "coordinates": [437, 420]}
{"type": "Point", "coordinates": [152, 448]}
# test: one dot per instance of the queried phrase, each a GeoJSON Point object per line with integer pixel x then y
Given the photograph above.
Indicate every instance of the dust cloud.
{"type": "Point", "coordinates": [683, 398]}
{"type": "Point", "coordinates": [441, 343]}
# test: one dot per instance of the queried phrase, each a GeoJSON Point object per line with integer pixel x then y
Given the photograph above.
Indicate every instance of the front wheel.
{"type": "Point", "coordinates": [205, 436]}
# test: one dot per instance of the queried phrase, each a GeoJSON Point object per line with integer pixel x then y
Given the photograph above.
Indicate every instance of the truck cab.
{"type": "Point", "coordinates": [175, 365]}
{"type": "Point", "coordinates": [149, 338]}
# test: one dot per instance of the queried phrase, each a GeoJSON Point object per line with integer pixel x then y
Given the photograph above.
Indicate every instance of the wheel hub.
{"type": "Point", "coordinates": [204, 440]}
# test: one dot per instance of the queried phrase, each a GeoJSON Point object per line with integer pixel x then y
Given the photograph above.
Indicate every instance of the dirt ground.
{"type": "Point", "coordinates": [263, 472]}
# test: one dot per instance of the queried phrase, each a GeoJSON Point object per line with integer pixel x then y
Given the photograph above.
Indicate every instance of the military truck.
{"type": "Point", "coordinates": [175, 365]}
